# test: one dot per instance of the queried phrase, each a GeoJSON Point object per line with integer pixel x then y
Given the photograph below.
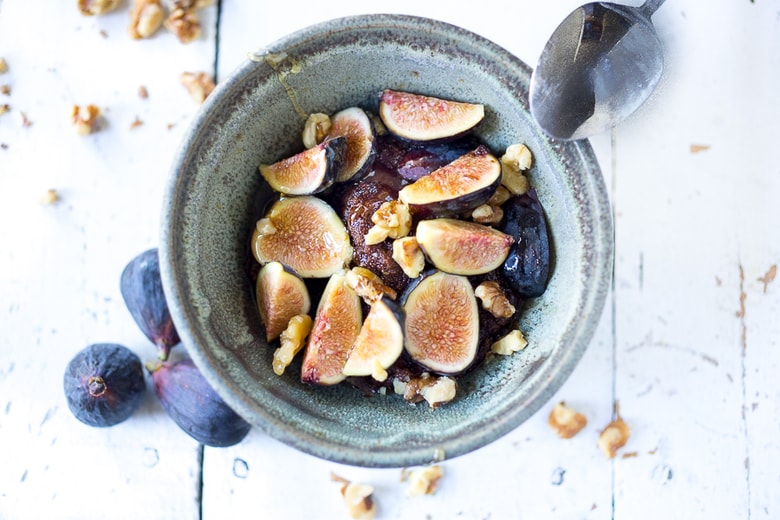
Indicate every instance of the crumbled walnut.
{"type": "Point", "coordinates": [494, 300]}
{"type": "Point", "coordinates": [4, 109]}
{"type": "Point", "coordinates": [565, 421]}
{"type": "Point", "coordinates": [136, 123]}
{"type": "Point", "coordinates": [614, 437]}
{"type": "Point", "coordinates": [97, 7]}
{"type": "Point", "coordinates": [436, 390]}
{"type": "Point", "coordinates": [85, 119]}
{"type": "Point", "coordinates": [519, 156]}
{"type": "Point", "coordinates": [26, 122]}
{"type": "Point", "coordinates": [423, 481]}
{"type": "Point", "coordinates": [146, 17]}
{"type": "Point", "coordinates": [183, 22]}
{"type": "Point", "coordinates": [291, 341]}
{"type": "Point", "coordinates": [3, 66]}
{"type": "Point", "coordinates": [487, 214]}
{"type": "Point", "coordinates": [368, 285]}
{"type": "Point", "coordinates": [49, 198]}
{"type": "Point", "coordinates": [143, 93]}
{"type": "Point", "coordinates": [5, 90]}
{"type": "Point", "coordinates": [514, 162]}
{"type": "Point", "coordinates": [407, 254]}
{"type": "Point", "coordinates": [359, 498]}
{"type": "Point", "coordinates": [392, 220]}
{"type": "Point", "coordinates": [315, 130]}
{"type": "Point", "coordinates": [499, 197]}
{"type": "Point", "coordinates": [509, 344]}
{"type": "Point", "coordinates": [198, 84]}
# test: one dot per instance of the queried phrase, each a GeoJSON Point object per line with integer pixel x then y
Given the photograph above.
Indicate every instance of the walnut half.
{"type": "Point", "coordinates": [145, 18]}
{"type": "Point", "coordinates": [565, 421]}
{"type": "Point", "coordinates": [494, 300]}
{"type": "Point", "coordinates": [97, 7]}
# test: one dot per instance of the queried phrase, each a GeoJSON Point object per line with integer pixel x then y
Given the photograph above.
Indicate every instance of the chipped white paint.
{"type": "Point", "coordinates": [688, 344]}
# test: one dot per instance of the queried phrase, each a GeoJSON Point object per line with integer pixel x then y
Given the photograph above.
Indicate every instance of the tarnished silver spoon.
{"type": "Point", "coordinates": [599, 66]}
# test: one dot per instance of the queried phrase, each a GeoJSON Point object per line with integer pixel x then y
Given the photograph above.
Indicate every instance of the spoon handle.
{"type": "Point", "coordinates": [650, 6]}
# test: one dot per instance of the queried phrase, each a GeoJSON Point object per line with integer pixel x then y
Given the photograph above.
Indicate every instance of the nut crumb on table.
{"type": "Point", "coordinates": [3, 66]}
{"type": "Point", "coordinates": [49, 198]}
{"type": "Point", "coordinates": [359, 498]}
{"type": "Point", "coordinates": [198, 84]}
{"type": "Point", "coordinates": [183, 21]}
{"type": "Point", "coordinates": [5, 108]}
{"type": "Point", "coordinates": [5, 90]}
{"type": "Point", "coordinates": [86, 119]}
{"type": "Point", "coordinates": [422, 481]}
{"type": "Point", "coordinates": [614, 437]}
{"type": "Point", "coordinates": [565, 421]}
{"type": "Point", "coordinates": [146, 17]}
{"type": "Point", "coordinates": [97, 7]}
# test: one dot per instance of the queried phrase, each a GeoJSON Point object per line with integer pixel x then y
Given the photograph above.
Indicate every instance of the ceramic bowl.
{"type": "Point", "coordinates": [216, 195]}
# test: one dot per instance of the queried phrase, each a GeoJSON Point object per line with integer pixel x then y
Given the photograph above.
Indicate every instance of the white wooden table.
{"type": "Point", "coordinates": [688, 343]}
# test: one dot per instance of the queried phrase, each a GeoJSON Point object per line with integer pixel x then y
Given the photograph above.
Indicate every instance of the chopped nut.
{"type": "Point", "coordinates": [26, 123]}
{"type": "Point", "coordinates": [143, 93]}
{"type": "Point", "coordinates": [316, 129]}
{"type": "Point", "coordinates": [423, 481]}
{"type": "Point", "coordinates": [565, 421]}
{"type": "Point", "coordinates": [407, 254]}
{"type": "Point", "coordinates": [509, 344]}
{"type": "Point", "coordinates": [136, 123]}
{"type": "Point", "coordinates": [97, 7]}
{"type": "Point", "coordinates": [358, 498]}
{"type": "Point", "coordinates": [499, 196]}
{"type": "Point", "coordinates": [487, 214]}
{"type": "Point", "coordinates": [519, 156]}
{"type": "Point", "coordinates": [494, 300]}
{"type": "Point", "coordinates": [292, 341]}
{"type": "Point", "coordinates": [264, 226]}
{"type": "Point", "coordinates": [514, 162]}
{"type": "Point", "coordinates": [5, 90]}
{"type": "Point", "coordinates": [146, 17]}
{"type": "Point", "coordinates": [86, 119]}
{"type": "Point", "coordinates": [614, 437]}
{"type": "Point", "coordinates": [379, 125]}
{"type": "Point", "coordinates": [183, 22]}
{"type": "Point", "coordinates": [392, 220]}
{"type": "Point", "coordinates": [4, 109]}
{"type": "Point", "coordinates": [50, 197]}
{"type": "Point", "coordinates": [3, 66]}
{"type": "Point", "coordinates": [198, 84]}
{"type": "Point", "coordinates": [436, 390]}
{"type": "Point", "coordinates": [368, 285]}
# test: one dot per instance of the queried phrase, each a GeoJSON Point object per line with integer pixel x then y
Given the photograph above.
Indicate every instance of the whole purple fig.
{"type": "Point", "coordinates": [142, 290]}
{"type": "Point", "coordinates": [195, 406]}
{"type": "Point", "coordinates": [104, 384]}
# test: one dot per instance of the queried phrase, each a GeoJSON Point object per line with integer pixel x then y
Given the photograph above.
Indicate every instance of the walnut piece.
{"type": "Point", "coordinates": [86, 119]}
{"type": "Point", "coordinates": [392, 220]}
{"type": "Point", "coordinates": [407, 254]}
{"type": "Point", "coordinates": [514, 162]}
{"type": "Point", "coordinates": [487, 214]}
{"type": "Point", "coordinates": [183, 21]}
{"type": "Point", "coordinates": [368, 285]}
{"type": "Point", "coordinates": [146, 17]}
{"type": "Point", "coordinates": [494, 300]}
{"type": "Point", "coordinates": [359, 498]}
{"type": "Point", "coordinates": [143, 92]}
{"type": "Point", "coordinates": [5, 90]}
{"type": "Point", "coordinates": [423, 481]}
{"type": "Point", "coordinates": [97, 7]}
{"type": "Point", "coordinates": [509, 344]}
{"type": "Point", "coordinates": [198, 84]}
{"type": "Point", "coordinates": [315, 129]}
{"type": "Point", "coordinates": [436, 390]}
{"type": "Point", "coordinates": [499, 197]}
{"type": "Point", "coordinates": [5, 109]}
{"type": "Point", "coordinates": [292, 341]}
{"type": "Point", "coordinates": [614, 437]}
{"type": "Point", "coordinates": [3, 66]}
{"type": "Point", "coordinates": [49, 198]}
{"type": "Point", "coordinates": [565, 421]}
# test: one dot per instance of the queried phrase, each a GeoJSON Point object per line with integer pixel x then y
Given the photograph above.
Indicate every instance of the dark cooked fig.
{"type": "Point", "coordinates": [104, 384]}
{"type": "Point", "coordinates": [461, 247]}
{"type": "Point", "coordinates": [527, 267]}
{"type": "Point", "coordinates": [460, 186]}
{"type": "Point", "coordinates": [420, 161]}
{"type": "Point", "coordinates": [304, 233]}
{"type": "Point", "coordinates": [425, 118]}
{"type": "Point", "coordinates": [379, 343]}
{"type": "Point", "coordinates": [354, 124]}
{"type": "Point", "coordinates": [310, 171]}
{"type": "Point", "coordinates": [336, 326]}
{"type": "Point", "coordinates": [281, 294]}
{"type": "Point", "coordinates": [442, 322]}
{"type": "Point", "coordinates": [142, 291]}
{"type": "Point", "coordinates": [195, 406]}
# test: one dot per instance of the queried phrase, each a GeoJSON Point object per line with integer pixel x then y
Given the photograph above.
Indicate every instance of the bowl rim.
{"type": "Point", "coordinates": [583, 330]}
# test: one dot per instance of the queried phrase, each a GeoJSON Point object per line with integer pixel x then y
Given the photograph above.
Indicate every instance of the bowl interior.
{"type": "Point", "coordinates": [216, 195]}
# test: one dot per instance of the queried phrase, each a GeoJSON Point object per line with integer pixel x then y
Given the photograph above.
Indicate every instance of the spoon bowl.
{"type": "Point", "coordinates": [601, 63]}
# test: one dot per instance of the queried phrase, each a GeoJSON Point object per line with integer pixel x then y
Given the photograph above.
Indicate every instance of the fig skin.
{"type": "Point", "coordinates": [360, 150]}
{"type": "Point", "coordinates": [195, 407]}
{"type": "Point", "coordinates": [281, 294]}
{"type": "Point", "coordinates": [142, 291]}
{"type": "Point", "coordinates": [527, 267]}
{"type": "Point", "coordinates": [310, 171]}
{"type": "Point", "coordinates": [104, 384]}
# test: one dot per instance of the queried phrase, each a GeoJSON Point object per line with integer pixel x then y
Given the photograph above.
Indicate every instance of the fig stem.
{"type": "Point", "coordinates": [153, 365]}
{"type": "Point", "coordinates": [96, 386]}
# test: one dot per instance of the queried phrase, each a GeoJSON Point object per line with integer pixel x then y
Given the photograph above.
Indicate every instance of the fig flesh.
{"type": "Point", "coordinates": [305, 234]}
{"type": "Point", "coordinates": [462, 247]}
{"type": "Point", "coordinates": [336, 326]}
{"type": "Point", "coordinates": [104, 384]}
{"type": "Point", "coordinates": [425, 118]}
{"type": "Point", "coordinates": [356, 127]}
{"type": "Point", "coordinates": [527, 267]}
{"type": "Point", "coordinates": [310, 171]}
{"type": "Point", "coordinates": [195, 406]}
{"type": "Point", "coordinates": [460, 186]}
{"type": "Point", "coordinates": [442, 322]}
{"type": "Point", "coordinates": [281, 295]}
{"type": "Point", "coordinates": [142, 291]}
{"type": "Point", "coordinates": [379, 343]}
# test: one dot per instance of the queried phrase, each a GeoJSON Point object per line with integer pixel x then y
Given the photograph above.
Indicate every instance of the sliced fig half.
{"type": "Point", "coordinates": [458, 187]}
{"type": "Point", "coordinates": [461, 247]}
{"type": "Point", "coordinates": [281, 295]}
{"type": "Point", "coordinates": [441, 328]}
{"type": "Point", "coordinates": [425, 118]}
{"type": "Point", "coordinates": [356, 127]}
{"type": "Point", "coordinates": [336, 326]}
{"type": "Point", "coordinates": [309, 171]}
{"type": "Point", "coordinates": [527, 267]}
{"type": "Point", "coordinates": [305, 234]}
{"type": "Point", "coordinates": [379, 343]}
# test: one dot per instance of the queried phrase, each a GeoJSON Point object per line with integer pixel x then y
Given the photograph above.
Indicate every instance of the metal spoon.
{"type": "Point", "coordinates": [600, 64]}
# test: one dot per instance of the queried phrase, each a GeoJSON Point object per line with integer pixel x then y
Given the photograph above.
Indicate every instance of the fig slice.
{"type": "Point", "coordinates": [458, 187]}
{"type": "Point", "coordinates": [441, 330]}
{"type": "Point", "coordinates": [424, 118]}
{"type": "Point", "coordinates": [462, 247]}
{"type": "Point", "coordinates": [305, 234]}
{"type": "Point", "coordinates": [336, 326]}
{"type": "Point", "coordinates": [379, 343]}
{"type": "Point", "coordinates": [310, 171]}
{"type": "Point", "coordinates": [527, 267]}
{"type": "Point", "coordinates": [356, 127]}
{"type": "Point", "coordinates": [281, 294]}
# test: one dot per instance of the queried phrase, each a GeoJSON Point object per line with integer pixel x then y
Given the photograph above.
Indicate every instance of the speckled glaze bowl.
{"type": "Point", "coordinates": [216, 195]}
